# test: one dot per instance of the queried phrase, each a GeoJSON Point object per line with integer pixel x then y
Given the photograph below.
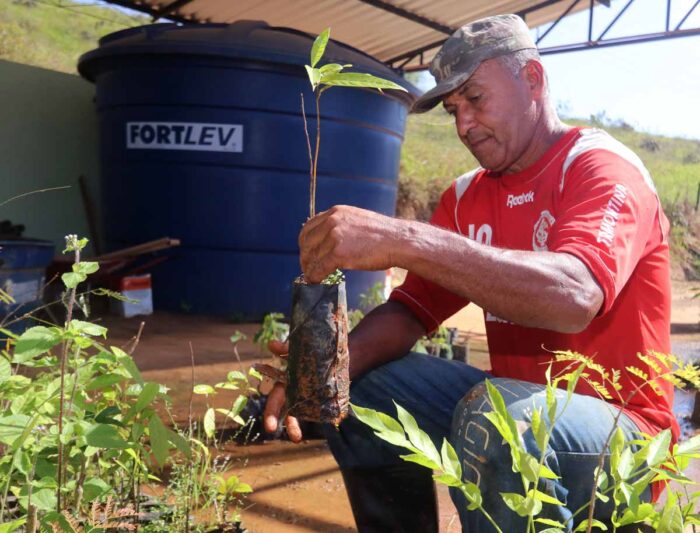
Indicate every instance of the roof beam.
{"type": "Point", "coordinates": [144, 8]}
{"type": "Point", "coordinates": [410, 15]}
{"type": "Point", "coordinates": [170, 8]}
{"type": "Point", "coordinates": [634, 39]}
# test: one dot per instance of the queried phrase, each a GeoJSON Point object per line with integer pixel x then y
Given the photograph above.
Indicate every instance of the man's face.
{"type": "Point", "coordinates": [495, 115]}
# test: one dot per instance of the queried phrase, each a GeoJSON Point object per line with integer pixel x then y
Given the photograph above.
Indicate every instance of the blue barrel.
{"type": "Point", "coordinates": [22, 276]}
{"type": "Point", "coordinates": [202, 139]}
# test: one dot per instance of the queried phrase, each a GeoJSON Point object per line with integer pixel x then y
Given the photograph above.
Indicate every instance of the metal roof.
{"type": "Point", "coordinates": [401, 33]}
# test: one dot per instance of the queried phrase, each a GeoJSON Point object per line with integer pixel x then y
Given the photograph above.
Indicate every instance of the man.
{"type": "Point", "coordinates": [559, 237]}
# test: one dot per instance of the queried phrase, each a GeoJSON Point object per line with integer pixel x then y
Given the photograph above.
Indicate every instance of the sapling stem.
{"type": "Point", "coordinates": [311, 159]}
{"type": "Point", "coordinates": [314, 174]}
{"type": "Point", "coordinates": [64, 356]}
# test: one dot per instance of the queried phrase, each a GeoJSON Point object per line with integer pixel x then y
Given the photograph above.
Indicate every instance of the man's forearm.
{"type": "Point", "coordinates": [536, 289]}
{"type": "Point", "coordinates": [386, 333]}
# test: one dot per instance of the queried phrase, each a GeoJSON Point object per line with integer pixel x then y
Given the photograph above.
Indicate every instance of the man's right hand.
{"type": "Point", "coordinates": [276, 400]}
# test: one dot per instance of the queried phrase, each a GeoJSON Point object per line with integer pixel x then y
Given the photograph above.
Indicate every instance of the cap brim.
{"type": "Point", "coordinates": [435, 95]}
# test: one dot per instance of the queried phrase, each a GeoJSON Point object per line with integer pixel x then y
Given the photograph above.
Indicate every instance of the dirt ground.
{"type": "Point", "coordinates": [298, 488]}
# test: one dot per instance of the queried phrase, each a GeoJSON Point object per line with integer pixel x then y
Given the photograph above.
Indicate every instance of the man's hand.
{"type": "Point", "coordinates": [347, 237]}
{"type": "Point", "coordinates": [276, 400]}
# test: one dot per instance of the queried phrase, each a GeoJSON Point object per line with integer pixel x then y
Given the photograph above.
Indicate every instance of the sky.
{"type": "Point", "coordinates": [654, 86]}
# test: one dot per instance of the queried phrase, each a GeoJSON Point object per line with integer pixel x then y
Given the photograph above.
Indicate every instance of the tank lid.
{"type": "Point", "coordinates": [245, 39]}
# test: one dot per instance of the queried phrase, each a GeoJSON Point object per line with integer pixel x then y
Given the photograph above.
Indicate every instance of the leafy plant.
{"type": "Point", "coordinates": [78, 422]}
{"type": "Point", "coordinates": [634, 464]}
{"type": "Point", "coordinates": [272, 328]}
{"type": "Point", "coordinates": [322, 79]}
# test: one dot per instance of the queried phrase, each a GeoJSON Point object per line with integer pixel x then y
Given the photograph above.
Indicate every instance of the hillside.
{"type": "Point", "coordinates": [54, 33]}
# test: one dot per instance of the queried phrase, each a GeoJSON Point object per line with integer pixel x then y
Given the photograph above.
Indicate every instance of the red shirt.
{"type": "Point", "coordinates": [591, 197]}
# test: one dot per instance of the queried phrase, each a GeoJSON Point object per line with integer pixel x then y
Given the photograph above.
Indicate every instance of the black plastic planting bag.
{"type": "Point", "coordinates": [319, 383]}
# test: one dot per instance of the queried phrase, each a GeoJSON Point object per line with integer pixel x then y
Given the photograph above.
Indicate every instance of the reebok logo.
{"type": "Point", "coordinates": [524, 198]}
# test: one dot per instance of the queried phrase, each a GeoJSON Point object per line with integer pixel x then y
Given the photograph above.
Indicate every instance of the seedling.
{"type": "Point", "coordinates": [318, 379]}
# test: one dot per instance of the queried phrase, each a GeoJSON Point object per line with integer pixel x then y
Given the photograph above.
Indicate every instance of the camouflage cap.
{"type": "Point", "coordinates": [466, 48]}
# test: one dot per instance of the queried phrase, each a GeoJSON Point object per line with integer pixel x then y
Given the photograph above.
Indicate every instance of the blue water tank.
{"type": "Point", "coordinates": [202, 139]}
{"type": "Point", "coordinates": [23, 265]}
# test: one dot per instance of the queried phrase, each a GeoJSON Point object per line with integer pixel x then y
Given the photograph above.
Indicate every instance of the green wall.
{"type": "Point", "coordinates": [48, 138]}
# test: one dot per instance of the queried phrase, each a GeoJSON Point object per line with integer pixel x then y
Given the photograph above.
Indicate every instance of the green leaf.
{"type": "Point", "coordinates": [146, 396]}
{"type": "Point", "coordinates": [210, 422]}
{"type": "Point", "coordinates": [551, 400]}
{"type": "Point", "coordinates": [35, 341]}
{"type": "Point", "coordinates": [104, 381]}
{"type": "Point", "coordinates": [105, 436]}
{"type": "Point", "coordinates": [448, 479]}
{"type": "Point", "coordinates": [473, 495]}
{"type": "Point", "coordinates": [385, 427]}
{"type": "Point", "coordinates": [86, 267]}
{"type": "Point", "coordinates": [659, 448]}
{"type": "Point", "coordinates": [496, 398]}
{"type": "Point", "coordinates": [93, 488]}
{"type": "Point", "coordinates": [422, 460]}
{"type": "Point", "coordinates": [583, 526]}
{"type": "Point", "coordinates": [644, 511]}
{"type": "Point", "coordinates": [239, 405]}
{"type": "Point", "coordinates": [331, 68]}
{"type": "Point", "coordinates": [521, 505]}
{"type": "Point", "coordinates": [243, 488]}
{"type": "Point", "coordinates": [5, 370]}
{"type": "Point", "coordinates": [44, 499]}
{"type": "Point", "coordinates": [9, 527]}
{"type": "Point", "coordinates": [539, 429]}
{"type": "Point", "coordinates": [87, 328]}
{"type": "Point", "coordinates": [417, 436]}
{"type": "Point", "coordinates": [159, 440]}
{"type": "Point", "coordinates": [319, 46]}
{"type": "Point", "coordinates": [543, 497]}
{"type": "Point", "coordinates": [616, 445]}
{"type": "Point", "coordinates": [626, 464]}
{"type": "Point", "coordinates": [22, 462]}
{"type": "Point", "coordinates": [314, 76]}
{"type": "Point", "coordinates": [204, 389]}
{"type": "Point", "coordinates": [360, 80]}
{"type": "Point", "coordinates": [72, 279]}
{"type": "Point", "coordinates": [529, 467]}
{"type": "Point", "coordinates": [671, 520]}
{"type": "Point", "coordinates": [450, 461]}
{"type": "Point", "coordinates": [179, 442]}
{"type": "Point", "coordinates": [127, 362]}
{"type": "Point", "coordinates": [12, 427]}
{"type": "Point", "coordinates": [235, 375]}
{"type": "Point", "coordinates": [254, 374]}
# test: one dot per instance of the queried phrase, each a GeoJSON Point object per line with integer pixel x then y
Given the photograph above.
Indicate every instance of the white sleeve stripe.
{"type": "Point", "coordinates": [419, 305]}
{"type": "Point", "coordinates": [595, 139]}
{"type": "Point", "coordinates": [461, 185]}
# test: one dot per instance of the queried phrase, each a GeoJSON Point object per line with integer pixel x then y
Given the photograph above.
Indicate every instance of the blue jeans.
{"type": "Point", "coordinates": [448, 400]}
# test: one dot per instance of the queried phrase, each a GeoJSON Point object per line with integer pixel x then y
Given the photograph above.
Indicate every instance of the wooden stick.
{"type": "Point", "coordinates": [147, 247]}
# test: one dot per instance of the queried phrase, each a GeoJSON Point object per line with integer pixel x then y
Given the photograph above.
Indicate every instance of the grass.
{"type": "Point", "coordinates": [54, 33]}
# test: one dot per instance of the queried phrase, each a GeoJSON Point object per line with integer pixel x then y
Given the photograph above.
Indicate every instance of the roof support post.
{"type": "Point", "coordinates": [554, 24]}
{"type": "Point", "coordinates": [612, 23]}
{"type": "Point", "coordinates": [687, 15]}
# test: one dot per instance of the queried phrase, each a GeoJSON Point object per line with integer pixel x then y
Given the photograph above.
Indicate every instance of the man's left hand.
{"type": "Point", "coordinates": [347, 237]}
